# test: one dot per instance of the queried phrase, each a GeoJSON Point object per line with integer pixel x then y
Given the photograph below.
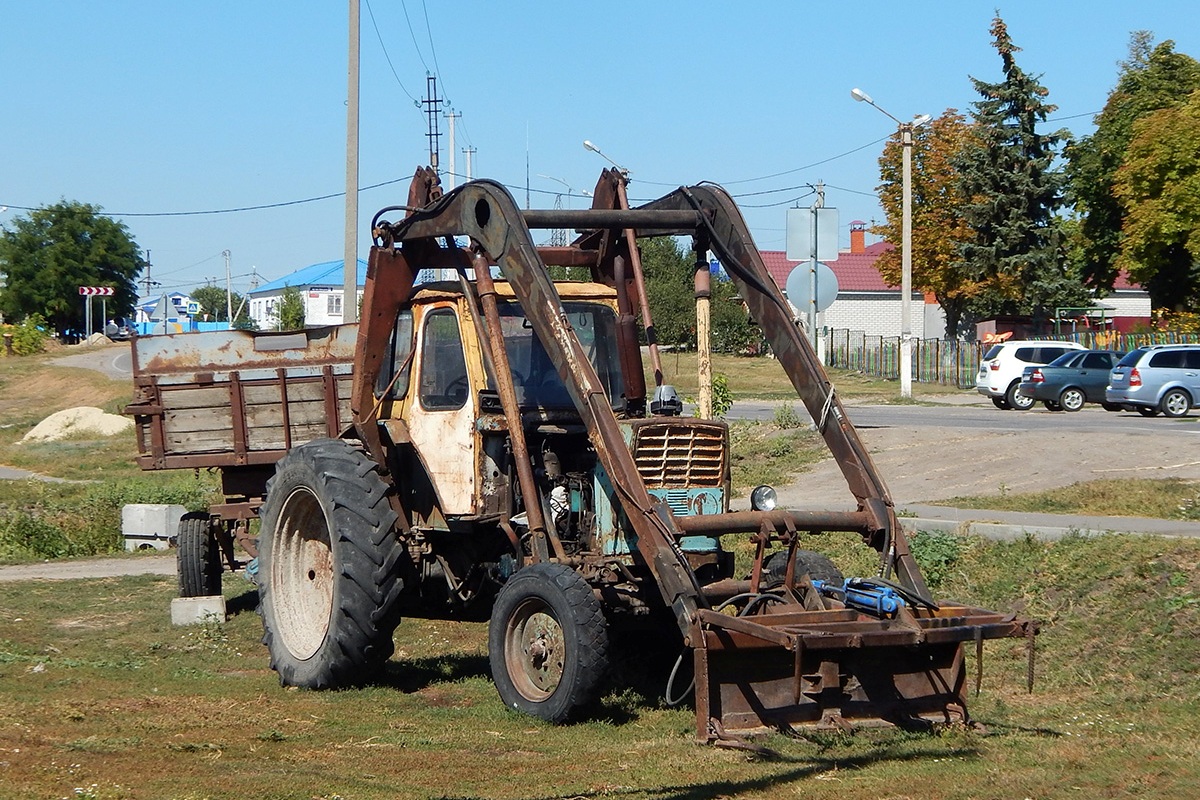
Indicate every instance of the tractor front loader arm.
{"type": "Point", "coordinates": [729, 237]}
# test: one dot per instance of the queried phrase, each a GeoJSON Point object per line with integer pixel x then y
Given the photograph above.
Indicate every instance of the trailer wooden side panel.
{"type": "Point", "coordinates": [234, 398]}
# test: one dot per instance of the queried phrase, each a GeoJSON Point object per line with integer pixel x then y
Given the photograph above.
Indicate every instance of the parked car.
{"type": "Point", "coordinates": [1000, 369]}
{"type": "Point", "coordinates": [1072, 379]}
{"type": "Point", "coordinates": [119, 330]}
{"type": "Point", "coordinates": [1163, 377]}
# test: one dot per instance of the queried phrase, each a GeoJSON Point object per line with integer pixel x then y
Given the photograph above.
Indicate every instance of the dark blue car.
{"type": "Point", "coordinates": [1071, 380]}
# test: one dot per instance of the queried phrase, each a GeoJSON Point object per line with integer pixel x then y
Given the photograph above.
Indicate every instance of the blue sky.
{"type": "Point", "coordinates": [156, 107]}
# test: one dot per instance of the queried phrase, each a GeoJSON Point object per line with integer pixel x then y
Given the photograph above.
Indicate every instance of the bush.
{"type": "Point", "coordinates": [722, 396]}
{"type": "Point", "coordinates": [936, 553]}
{"type": "Point", "coordinates": [786, 417]}
{"type": "Point", "coordinates": [29, 337]}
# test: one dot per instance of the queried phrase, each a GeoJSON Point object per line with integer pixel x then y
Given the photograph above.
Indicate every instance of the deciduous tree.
{"type": "Point", "coordinates": [53, 251]}
{"type": "Point", "coordinates": [1151, 78]}
{"type": "Point", "coordinates": [1158, 187]}
{"type": "Point", "coordinates": [938, 220]}
{"type": "Point", "coordinates": [214, 306]}
{"type": "Point", "coordinates": [1013, 193]}
{"type": "Point", "coordinates": [289, 313]}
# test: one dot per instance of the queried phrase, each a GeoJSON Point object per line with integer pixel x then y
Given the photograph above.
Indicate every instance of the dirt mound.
{"type": "Point", "coordinates": [85, 420]}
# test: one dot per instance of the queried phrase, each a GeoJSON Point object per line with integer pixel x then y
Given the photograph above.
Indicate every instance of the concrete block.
{"type": "Point", "coordinates": [198, 610]}
{"type": "Point", "coordinates": [150, 525]}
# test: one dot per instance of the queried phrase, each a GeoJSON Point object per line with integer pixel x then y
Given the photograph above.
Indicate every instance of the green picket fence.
{"type": "Point", "coordinates": [955, 363]}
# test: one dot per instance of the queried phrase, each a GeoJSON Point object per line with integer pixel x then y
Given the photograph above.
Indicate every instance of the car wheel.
{"type": "Point", "coordinates": [1001, 403]}
{"type": "Point", "coordinates": [1176, 403]}
{"type": "Point", "coordinates": [1147, 411]}
{"type": "Point", "coordinates": [1072, 399]}
{"type": "Point", "coordinates": [1017, 400]}
{"type": "Point", "coordinates": [1051, 405]}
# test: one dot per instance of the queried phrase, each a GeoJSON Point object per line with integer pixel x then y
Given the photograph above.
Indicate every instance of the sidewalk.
{"type": "Point", "coordinates": [1014, 524]}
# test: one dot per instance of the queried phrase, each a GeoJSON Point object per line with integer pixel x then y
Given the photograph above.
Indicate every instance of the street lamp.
{"type": "Point", "coordinates": [906, 141]}
{"type": "Point", "coordinates": [589, 146]}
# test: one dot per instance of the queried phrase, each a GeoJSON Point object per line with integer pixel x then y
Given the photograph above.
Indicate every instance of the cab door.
{"type": "Point", "coordinates": [441, 416]}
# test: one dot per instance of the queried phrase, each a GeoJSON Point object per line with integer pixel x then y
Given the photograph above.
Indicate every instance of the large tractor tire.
{"type": "Point", "coordinates": [328, 578]}
{"type": "Point", "coordinates": [197, 556]}
{"type": "Point", "coordinates": [547, 642]}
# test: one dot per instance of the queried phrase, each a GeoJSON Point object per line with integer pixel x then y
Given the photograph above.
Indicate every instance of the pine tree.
{"type": "Point", "coordinates": [1007, 173]}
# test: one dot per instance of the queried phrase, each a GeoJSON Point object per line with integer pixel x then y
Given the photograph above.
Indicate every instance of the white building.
{"type": "Point", "coordinates": [321, 287]}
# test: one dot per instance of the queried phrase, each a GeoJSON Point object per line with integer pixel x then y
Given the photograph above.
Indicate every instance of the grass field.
{"type": "Point", "coordinates": [100, 697]}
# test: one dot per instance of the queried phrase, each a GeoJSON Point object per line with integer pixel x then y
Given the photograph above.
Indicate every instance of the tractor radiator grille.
{"type": "Point", "coordinates": [680, 455]}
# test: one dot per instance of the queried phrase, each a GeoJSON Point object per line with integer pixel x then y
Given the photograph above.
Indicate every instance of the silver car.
{"type": "Point", "coordinates": [1158, 378]}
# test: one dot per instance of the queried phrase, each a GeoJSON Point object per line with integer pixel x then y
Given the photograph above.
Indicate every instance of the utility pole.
{"type": "Point", "coordinates": [148, 284]}
{"type": "Point", "coordinates": [433, 108]}
{"type": "Point", "coordinates": [350, 249]}
{"type": "Point", "coordinates": [228, 289]}
{"type": "Point", "coordinates": [469, 151]}
{"type": "Point", "coordinates": [452, 115]}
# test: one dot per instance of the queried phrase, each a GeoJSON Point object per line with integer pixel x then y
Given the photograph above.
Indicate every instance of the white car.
{"type": "Point", "coordinates": [1001, 366]}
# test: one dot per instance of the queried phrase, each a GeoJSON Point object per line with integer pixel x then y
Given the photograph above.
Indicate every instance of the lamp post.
{"type": "Point", "coordinates": [589, 146]}
{"type": "Point", "coordinates": [906, 143]}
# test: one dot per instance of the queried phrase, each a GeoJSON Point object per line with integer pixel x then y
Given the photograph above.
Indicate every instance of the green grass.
{"type": "Point", "coordinates": [1168, 498]}
{"type": "Point", "coordinates": [99, 692]}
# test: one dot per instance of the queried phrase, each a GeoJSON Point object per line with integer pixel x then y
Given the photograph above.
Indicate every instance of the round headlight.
{"type": "Point", "coordinates": [763, 498]}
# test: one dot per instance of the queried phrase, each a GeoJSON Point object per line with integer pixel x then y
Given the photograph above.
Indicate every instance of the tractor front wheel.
{"type": "Point", "coordinates": [328, 574]}
{"type": "Point", "coordinates": [547, 642]}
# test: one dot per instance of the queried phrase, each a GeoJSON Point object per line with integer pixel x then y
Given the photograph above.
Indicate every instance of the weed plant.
{"type": "Point", "coordinates": [40, 520]}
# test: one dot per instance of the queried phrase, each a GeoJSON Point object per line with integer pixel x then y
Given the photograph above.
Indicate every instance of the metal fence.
{"type": "Point", "coordinates": [954, 363]}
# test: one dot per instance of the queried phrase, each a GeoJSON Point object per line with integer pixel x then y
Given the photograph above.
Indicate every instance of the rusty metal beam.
{"type": "Point", "coordinates": [661, 222]}
{"type": "Point", "coordinates": [752, 521]}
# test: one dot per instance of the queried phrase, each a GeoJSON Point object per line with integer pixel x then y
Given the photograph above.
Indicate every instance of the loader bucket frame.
{"type": "Point", "coordinates": [799, 659]}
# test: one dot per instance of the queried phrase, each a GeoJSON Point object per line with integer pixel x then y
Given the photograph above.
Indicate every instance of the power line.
{"type": "Point", "coordinates": [233, 210]}
{"type": "Point", "coordinates": [386, 55]}
{"type": "Point", "coordinates": [413, 34]}
{"type": "Point", "coordinates": [433, 50]}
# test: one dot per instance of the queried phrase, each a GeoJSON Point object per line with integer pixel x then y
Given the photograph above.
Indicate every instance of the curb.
{"type": "Point", "coordinates": [1007, 532]}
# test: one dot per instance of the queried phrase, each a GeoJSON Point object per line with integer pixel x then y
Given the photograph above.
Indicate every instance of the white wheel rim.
{"type": "Point", "coordinates": [301, 574]}
{"type": "Point", "coordinates": [534, 650]}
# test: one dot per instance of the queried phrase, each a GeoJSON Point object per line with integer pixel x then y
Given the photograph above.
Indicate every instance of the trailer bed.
{"type": "Point", "coordinates": [238, 398]}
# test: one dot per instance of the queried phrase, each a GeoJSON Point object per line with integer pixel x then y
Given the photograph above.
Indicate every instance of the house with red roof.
{"type": "Point", "coordinates": [866, 303]}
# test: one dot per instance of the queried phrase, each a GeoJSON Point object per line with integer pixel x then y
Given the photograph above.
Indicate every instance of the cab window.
{"type": "Point", "coordinates": [444, 383]}
{"type": "Point", "coordinates": [398, 369]}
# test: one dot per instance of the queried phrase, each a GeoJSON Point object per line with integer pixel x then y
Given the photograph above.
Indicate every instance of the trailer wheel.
{"type": "Point", "coordinates": [547, 642]}
{"type": "Point", "coordinates": [818, 566]}
{"type": "Point", "coordinates": [197, 556]}
{"type": "Point", "coordinates": [328, 567]}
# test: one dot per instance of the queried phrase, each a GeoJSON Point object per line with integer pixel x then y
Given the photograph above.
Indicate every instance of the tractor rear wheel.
{"type": "Point", "coordinates": [547, 642]}
{"type": "Point", "coordinates": [197, 556]}
{"type": "Point", "coordinates": [328, 567]}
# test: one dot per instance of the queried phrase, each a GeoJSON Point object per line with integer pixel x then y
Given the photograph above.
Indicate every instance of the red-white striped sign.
{"type": "Point", "coordinates": [104, 291]}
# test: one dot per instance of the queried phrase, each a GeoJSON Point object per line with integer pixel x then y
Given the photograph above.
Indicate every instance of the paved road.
{"type": "Point", "coordinates": [114, 360]}
{"type": "Point", "coordinates": [965, 413]}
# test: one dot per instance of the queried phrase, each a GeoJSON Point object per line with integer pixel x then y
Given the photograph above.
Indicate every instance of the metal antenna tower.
{"type": "Point", "coordinates": [433, 110]}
